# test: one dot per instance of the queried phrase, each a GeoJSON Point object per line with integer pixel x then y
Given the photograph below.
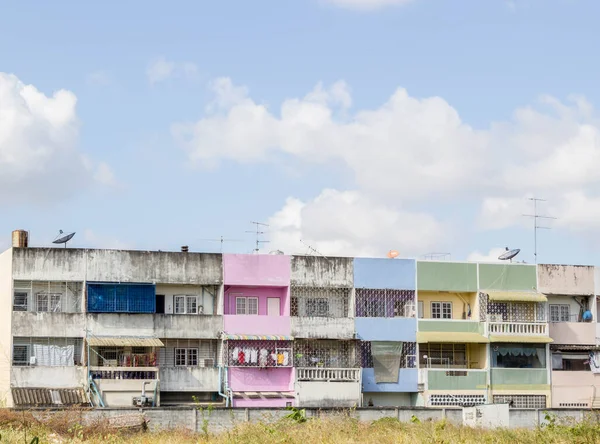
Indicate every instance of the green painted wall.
{"type": "Point", "coordinates": [437, 380]}
{"type": "Point", "coordinates": [446, 276]}
{"type": "Point", "coordinates": [451, 326]}
{"type": "Point", "coordinates": [507, 277]}
{"type": "Point", "coordinates": [508, 378]}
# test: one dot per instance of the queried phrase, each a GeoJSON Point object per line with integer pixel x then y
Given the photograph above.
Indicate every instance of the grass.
{"type": "Point", "coordinates": [65, 427]}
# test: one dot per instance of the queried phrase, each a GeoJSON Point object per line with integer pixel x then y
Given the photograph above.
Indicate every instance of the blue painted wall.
{"type": "Point", "coordinates": [386, 329]}
{"type": "Point", "coordinates": [407, 381]}
{"type": "Point", "coordinates": [398, 274]}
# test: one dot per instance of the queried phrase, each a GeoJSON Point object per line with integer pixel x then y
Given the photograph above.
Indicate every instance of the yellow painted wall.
{"type": "Point", "coordinates": [458, 303]}
{"type": "Point", "coordinates": [477, 356]}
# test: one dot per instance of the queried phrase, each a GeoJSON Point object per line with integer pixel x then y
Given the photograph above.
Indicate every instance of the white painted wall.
{"type": "Point", "coordinates": [120, 392]}
{"type": "Point", "coordinates": [328, 394]}
{"type": "Point", "coordinates": [189, 379]}
{"type": "Point", "coordinates": [205, 298]}
{"type": "Point", "coordinates": [5, 326]}
{"type": "Point", "coordinates": [570, 301]}
{"type": "Point", "coordinates": [52, 377]}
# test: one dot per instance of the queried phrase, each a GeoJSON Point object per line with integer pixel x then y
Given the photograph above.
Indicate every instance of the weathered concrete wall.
{"type": "Point", "coordinates": [323, 328]}
{"type": "Point", "coordinates": [32, 324]}
{"type": "Point", "coordinates": [328, 394]}
{"type": "Point", "coordinates": [221, 419]}
{"type": "Point", "coordinates": [49, 377]}
{"type": "Point", "coordinates": [312, 271]}
{"type": "Point", "coordinates": [189, 379]}
{"type": "Point", "coordinates": [51, 264]}
{"type": "Point", "coordinates": [120, 324]}
{"type": "Point", "coordinates": [6, 296]}
{"type": "Point", "coordinates": [187, 326]}
{"type": "Point", "coordinates": [566, 279]}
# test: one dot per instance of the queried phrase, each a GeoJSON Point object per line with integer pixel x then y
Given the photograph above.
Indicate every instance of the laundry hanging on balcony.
{"type": "Point", "coordinates": [226, 336]}
{"type": "Point", "coordinates": [595, 362]}
{"type": "Point", "coordinates": [54, 355]}
{"type": "Point", "coordinates": [386, 360]}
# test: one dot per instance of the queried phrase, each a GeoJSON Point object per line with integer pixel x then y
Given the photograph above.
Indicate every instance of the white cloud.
{"type": "Point", "coordinates": [104, 175]}
{"type": "Point", "coordinates": [491, 256]}
{"type": "Point", "coordinates": [161, 69]}
{"type": "Point", "coordinates": [39, 156]}
{"type": "Point", "coordinates": [367, 4]}
{"type": "Point", "coordinates": [338, 223]}
{"type": "Point", "coordinates": [410, 151]}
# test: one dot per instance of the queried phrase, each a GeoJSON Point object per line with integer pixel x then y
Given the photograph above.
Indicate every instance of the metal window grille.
{"type": "Point", "coordinates": [522, 401]}
{"type": "Point", "coordinates": [408, 358]}
{"type": "Point", "coordinates": [327, 354]}
{"type": "Point", "coordinates": [560, 313]}
{"type": "Point", "coordinates": [263, 354]}
{"type": "Point", "coordinates": [320, 302]}
{"type": "Point", "coordinates": [48, 296]}
{"type": "Point", "coordinates": [515, 312]}
{"type": "Point", "coordinates": [456, 400]}
{"type": "Point", "coordinates": [24, 350]}
{"type": "Point", "coordinates": [384, 303]}
{"type": "Point", "coordinates": [176, 352]}
{"type": "Point", "coordinates": [443, 355]}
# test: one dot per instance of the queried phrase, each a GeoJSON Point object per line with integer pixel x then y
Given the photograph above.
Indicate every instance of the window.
{"type": "Point", "coordinates": [186, 357]}
{"type": "Point", "coordinates": [20, 301]}
{"type": "Point", "coordinates": [48, 302]}
{"type": "Point", "coordinates": [559, 313]}
{"type": "Point", "coordinates": [318, 307]}
{"type": "Point", "coordinates": [246, 305]}
{"type": "Point", "coordinates": [186, 304]}
{"type": "Point", "coordinates": [573, 362]}
{"type": "Point", "coordinates": [20, 354]}
{"type": "Point", "coordinates": [443, 355]}
{"type": "Point", "coordinates": [518, 356]}
{"type": "Point", "coordinates": [441, 310]}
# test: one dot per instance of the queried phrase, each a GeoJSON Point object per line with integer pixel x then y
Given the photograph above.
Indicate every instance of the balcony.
{"type": "Point", "coordinates": [257, 325]}
{"type": "Point", "coordinates": [145, 373]}
{"type": "Point", "coordinates": [322, 328]}
{"type": "Point", "coordinates": [439, 379]}
{"type": "Point", "coordinates": [567, 333]}
{"type": "Point", "coordinates": [328, 374]}
{"type": "Point", "coordinates": [177, 326]}
{"type": "Point", "coordinates": [386, 329]}
{"type": "Point", "coordinates": [407, 381]}
{"type": "Point", "coordinates": [519, 378]}
{"type": "Point", "coordinates": [505, 330]}
{"type": "Point", "coordinates": [45, 324]}
{"type": "Point", "coordinates": [193, 379]}
{"type": "Point", "coordinates": [48, 377]}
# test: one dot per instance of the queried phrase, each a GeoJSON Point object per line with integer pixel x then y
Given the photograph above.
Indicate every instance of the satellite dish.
{"type": "Point", "coordinates": [63, 238]}
{"type": "Point", "coordinates": [392, 254]}
{"type": "Point", "coordinates": [276, 252]}
{"type": "Point", "coordinates": [509, 254]}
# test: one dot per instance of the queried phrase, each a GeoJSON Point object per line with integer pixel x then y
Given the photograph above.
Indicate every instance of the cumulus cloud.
{"type": "Point", "coordinates": [161, 69]}
{"type": "Point", "coordinates": [39, 156]}
{"type": "Point", "coordinates": [342, 223]}
{"type": "Point", "coordinates": [367, 4]}
{"type": "Point", "coordinates": [409, 151]}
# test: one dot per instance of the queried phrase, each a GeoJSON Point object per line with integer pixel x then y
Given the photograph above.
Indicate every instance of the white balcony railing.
{"type": "Point", "coordinates": [518, 328]}
{"type": "Point", "coordinates": [328, 374]}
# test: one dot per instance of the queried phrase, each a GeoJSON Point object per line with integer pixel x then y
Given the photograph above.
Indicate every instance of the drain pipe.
{"type": "Point", "coordinates": [223, 395]}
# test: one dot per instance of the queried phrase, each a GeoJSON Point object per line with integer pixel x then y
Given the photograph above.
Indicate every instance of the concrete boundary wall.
{"type": "Point", "coordinates": [222, 419]}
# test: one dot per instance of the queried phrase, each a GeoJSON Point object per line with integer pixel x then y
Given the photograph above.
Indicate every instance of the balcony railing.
{"type": "Point", "coordinates": [328, 374]}
{"type": "Point", "coordinates": [124, 372]}
{"type": "Point", "coordinates": [518, 328]}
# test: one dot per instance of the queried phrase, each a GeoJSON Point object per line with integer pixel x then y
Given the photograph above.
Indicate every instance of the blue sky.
{"type": "Point", "coordinates": [433, 122]}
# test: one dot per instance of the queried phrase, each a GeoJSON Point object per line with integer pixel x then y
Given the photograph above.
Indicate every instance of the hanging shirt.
{"type": "Point", "coordinates": [262, 360]}
{"type": "Point", "coordinates": [241, 357]}
{"type": "Point", "coordinates": [253, 355]}
{"type": "Point", "coordinates": [286, 358]}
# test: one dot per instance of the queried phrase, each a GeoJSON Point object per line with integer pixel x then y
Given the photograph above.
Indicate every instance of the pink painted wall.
{"type": "Point", "coordinates": [573, 332]}
{"type": "Point", "coordinates": [257, 325]}
{"type": "Point", "coordinates": [261, 380]}
{"type": "Point", "coordinates": [262, 402]}
{"type": "Point", "coordinates": [256, 270]}
{"type": "Point", "coordinates": [574, 387]}
{"type": "Point", "coordinates": [262, 293]}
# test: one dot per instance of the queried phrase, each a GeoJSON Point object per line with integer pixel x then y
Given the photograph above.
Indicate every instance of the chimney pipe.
{"type": "Point", "coordinates": [20, 239]}
{"type": "Point", "coordinates": [184, 249]}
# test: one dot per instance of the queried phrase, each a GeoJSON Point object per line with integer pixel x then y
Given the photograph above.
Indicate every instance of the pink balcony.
{"type": "Point", "coordinates": [257, 325]}
{"type": "Point", "coordinates": [583, 333]}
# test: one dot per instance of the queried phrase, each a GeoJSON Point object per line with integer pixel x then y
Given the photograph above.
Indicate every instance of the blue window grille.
{"type": "Point", "coordinates": [121, 298]}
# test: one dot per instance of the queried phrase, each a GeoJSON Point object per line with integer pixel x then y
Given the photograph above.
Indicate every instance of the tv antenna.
{"type": "Point", "coordinates": [222, 240]}
{"type": "Point", "coordinates": [508, 254]}
{"type": "Point", "coordinates": [258, 233]}
{"type": "Point", "coordinates": [536, 217]}
{"type": "Point", "coordinates": [313, 250]}
{"type": "Point", "coordinates": [63, 238]}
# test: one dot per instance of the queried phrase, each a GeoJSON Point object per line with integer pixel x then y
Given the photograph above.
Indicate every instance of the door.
{"type": "Point", "coordinates": [160, 303]}
{"type": "Point", "coordinates": [273, 307]}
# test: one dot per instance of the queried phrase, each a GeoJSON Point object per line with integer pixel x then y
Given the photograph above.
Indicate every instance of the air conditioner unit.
{"type": "Point", "coordinates": [495, 317]}
{"type": "Point", "coordinates": [32, 360]}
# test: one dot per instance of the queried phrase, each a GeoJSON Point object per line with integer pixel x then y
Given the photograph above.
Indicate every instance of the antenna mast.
{"type": "Point", "coordinates": [222, 240]}
{"type": "Point", "coordinates": [314, 250]}
{"type": "Point", "coordinates": [258, 233]}
{"type": "Point", "coordinates": [535, 216]}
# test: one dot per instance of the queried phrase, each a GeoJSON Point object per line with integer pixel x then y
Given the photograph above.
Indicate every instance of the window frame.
{"type": "Point", "coordinates": [559, 311]}
{"type": "Point", "coordinates": [21, 307]}
{"type": "Point", "coordinates": [317, 307]}
{"type": "Point", "coordinates": [187, 354]}
{"type": "Point", "coordinates": [53, 300]}
{"type": "Point", "coordinates": [186, 304]}
{"type": "Point", "coordinates": [246, 305]}
{"type": "Point", "coordinates": [444, 308]}
{"type": "Point", "coordinates": [27, 355]}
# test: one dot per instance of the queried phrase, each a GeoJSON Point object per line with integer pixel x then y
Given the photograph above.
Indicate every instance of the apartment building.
{"type": "Point", "coordinates": [121, 328]}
